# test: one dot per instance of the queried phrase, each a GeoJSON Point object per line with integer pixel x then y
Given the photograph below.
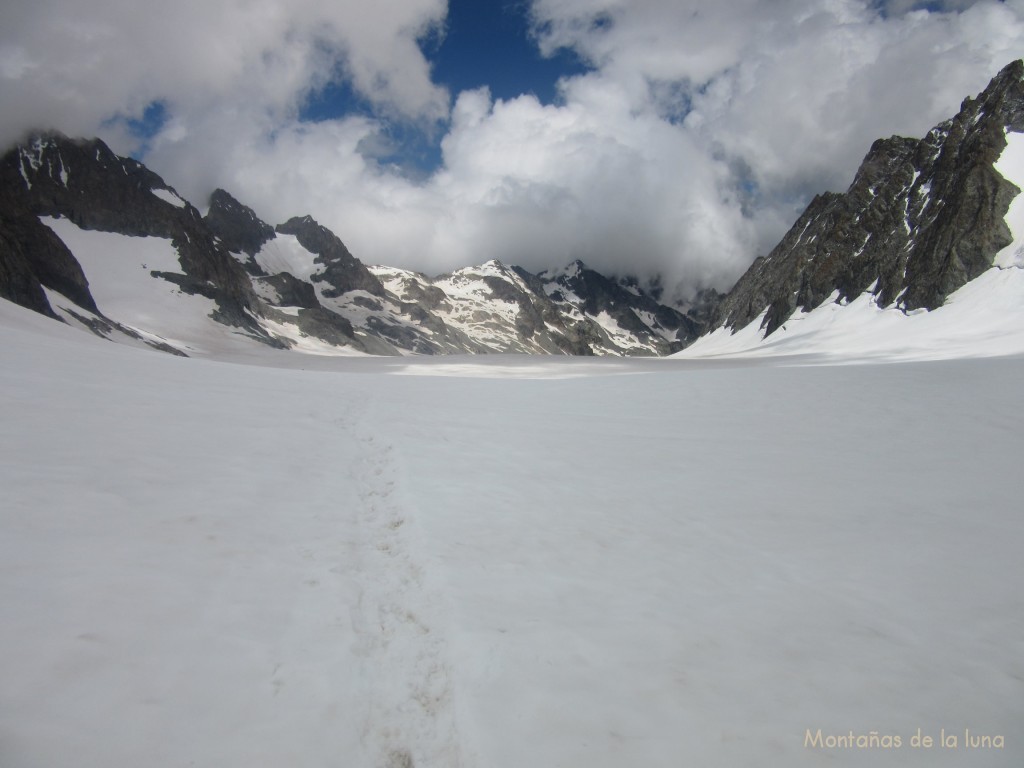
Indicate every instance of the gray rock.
{"type": "Point", "coordinates": [921, 219]}
{"type": "Point", "coordinates": [343, 272]}
{"type": "Point", "coordinates": [83, 181]}
{"type": "Point", "coordinates": [239, 228]}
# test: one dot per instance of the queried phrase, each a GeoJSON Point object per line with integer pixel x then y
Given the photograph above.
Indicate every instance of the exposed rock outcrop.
{"type": "Point", "coordinates": [921, 218]}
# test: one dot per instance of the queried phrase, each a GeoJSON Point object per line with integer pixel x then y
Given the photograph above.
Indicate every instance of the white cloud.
{"type": "Point", "coordinates": [702, 130]}
{"type": "Point", "coordinates": [529, 184]}
{"type": "Point", "coordinates": [75, 64]}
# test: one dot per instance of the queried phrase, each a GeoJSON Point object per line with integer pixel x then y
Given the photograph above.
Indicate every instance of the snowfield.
{"type": "Point", "coordinates": [505, 562]}
{"type": "Point", "coordinates": [984, 318]}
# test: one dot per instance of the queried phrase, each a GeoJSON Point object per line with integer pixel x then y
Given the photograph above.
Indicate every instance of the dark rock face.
{"type": "Point", "coordinates": [83, 181]}
{"type": "Point", "coordinates": [291, 291]}
{"type": "Point", "coordinates": [326, 325]}
{"type": "Point", "coordinates": [342, 271]}
{"type": "Point", "coordinates": [31, 257]}
{"type": "Point", "coordinates": [922, 218]}
{"type": "Point", "coordinates": [18, 279]}
{"type": "Point", "coordinates": [238, 227]}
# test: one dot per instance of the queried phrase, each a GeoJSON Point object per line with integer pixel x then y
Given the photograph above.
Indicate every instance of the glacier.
{"type": "Point", "coordinates": [501, 561]}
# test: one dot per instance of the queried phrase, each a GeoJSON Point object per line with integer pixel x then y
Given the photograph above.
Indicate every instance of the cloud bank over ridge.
{"type": "Point", "coordinates": [698, 134]}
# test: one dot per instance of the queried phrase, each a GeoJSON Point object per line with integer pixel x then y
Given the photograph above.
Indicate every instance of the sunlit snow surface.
{"type": "Point", "coordinates": [1011, 166]}
{"type": "Point", "coordinates": [985, 318]}
{"type": "Point", "coordinates": [519, 562]}
{"type": "Point", "coordinates": [169, 197]}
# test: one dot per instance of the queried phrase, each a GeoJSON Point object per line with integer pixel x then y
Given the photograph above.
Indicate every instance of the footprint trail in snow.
{"type": "Point", "coordinates": [398, 621]}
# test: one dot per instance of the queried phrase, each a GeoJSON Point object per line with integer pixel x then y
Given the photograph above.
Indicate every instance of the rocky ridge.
{"type": "Point", "coordinates": [84, 182]}
{"type": "Point", "coordinates": [921, 218]}
{"type": "Point", "coordinates": [295, 284]}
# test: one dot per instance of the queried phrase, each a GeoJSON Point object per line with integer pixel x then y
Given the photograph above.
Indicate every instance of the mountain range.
{"type": "Point", "coordinates": [275, 556]}
{"type": "Point", "coordinates": [102, 242]}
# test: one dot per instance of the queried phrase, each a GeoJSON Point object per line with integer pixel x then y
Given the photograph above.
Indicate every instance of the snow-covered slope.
{"type": "Point", "coordinates": [148, 310]}
{"type": "Point", "coordinates": [985, 318]}
{"type": "Point", "coordinates": [70, 209]}
{"type": "Point", "coordinates": [610, 563]}
{"type": "Point", "coordinates": [1010, 166]}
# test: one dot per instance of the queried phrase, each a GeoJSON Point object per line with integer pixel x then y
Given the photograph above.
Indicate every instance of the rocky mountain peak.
{"type": "Point", "coordinates": [237, 225]}
{"type": "Point", "coordinates": [85, 182]}
{"type": "Point", "coordinates": [921, 218]}
{"type": "Point", "coordinates": [1001, 99]}
{"type": "Point", "coordinates": [342, 271]}
{"type": "Point", "coordinates": [293, 285]}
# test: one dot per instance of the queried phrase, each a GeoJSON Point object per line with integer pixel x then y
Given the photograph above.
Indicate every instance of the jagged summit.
{"type": "Point", "coordinates": [237, 225]}
{"type": "Point", "coordinates": [84, 182]}
{"type": "Point", "coordinates": [294, 285]}
{"type": "Point", "coordinates": [342, 272]}
{"type": "Point", "coordinates": [921, 218]}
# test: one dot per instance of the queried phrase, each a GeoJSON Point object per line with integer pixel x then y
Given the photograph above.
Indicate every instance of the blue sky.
{"type": "Point", "coordinates": [672, 140]}
{"type": "Point", "coordinates": [482, 43]}
{"type": "Point", "coordinates": [491, 44]}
